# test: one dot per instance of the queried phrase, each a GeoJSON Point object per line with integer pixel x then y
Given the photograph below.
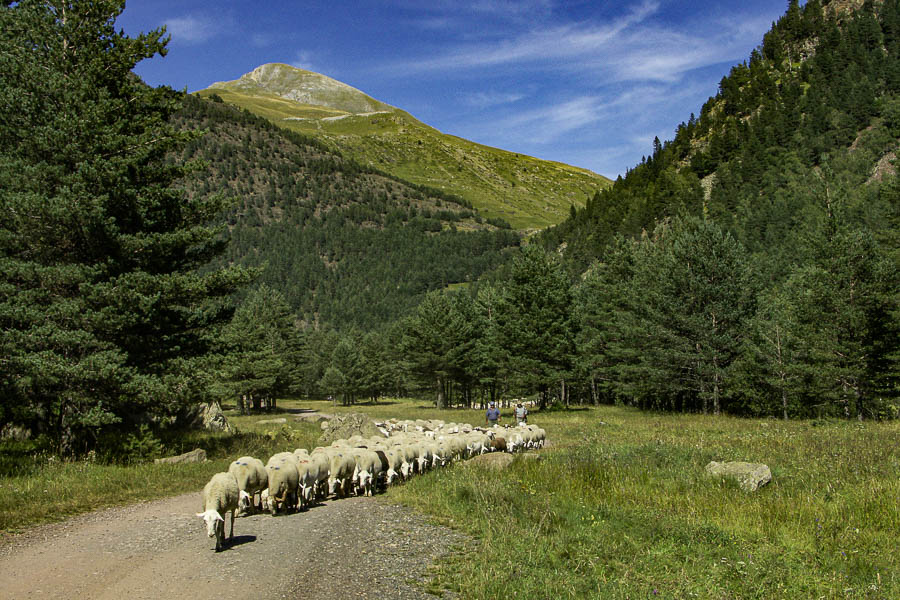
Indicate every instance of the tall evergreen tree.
{"type": "Point", "coordinates": [847, 305]}
{"type": "Point", "coordinates": [103, 314]}
{"type": "Point", "coordinates": [260, 356]}
{"type": "Point", "coordinates": [535, 323]}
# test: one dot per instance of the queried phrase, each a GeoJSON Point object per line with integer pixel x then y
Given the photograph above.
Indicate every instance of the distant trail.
{"type": "Point", "coordinates": [351, 548]}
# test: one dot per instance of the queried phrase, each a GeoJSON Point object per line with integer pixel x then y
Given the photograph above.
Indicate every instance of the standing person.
{"type": "Point", "coordinates": [493, 415]}
{"type": "Point", "coordinates": [521, 413]}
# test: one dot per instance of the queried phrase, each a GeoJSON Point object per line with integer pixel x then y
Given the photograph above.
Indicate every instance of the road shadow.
{"type": "Point", "coordinates": [240, 540]}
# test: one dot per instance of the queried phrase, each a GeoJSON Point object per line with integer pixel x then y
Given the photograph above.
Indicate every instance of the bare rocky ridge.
{"type": "Point", "coordinates": [305, 87]}
{"type": "Point", "coordinates": [351, 548]}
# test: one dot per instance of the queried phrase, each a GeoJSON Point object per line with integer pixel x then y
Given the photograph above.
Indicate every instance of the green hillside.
{"type": "Point", "coordinates": [812, 117]}
{"type": "Point", "coordinates": [750, 266]}
{"type": "Point", "coordinates": [527, 192]}
{"type": "Point", "coordinates": [346, 245]}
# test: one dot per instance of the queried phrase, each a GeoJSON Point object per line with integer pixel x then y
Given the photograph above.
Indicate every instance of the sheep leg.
{"type": "Point", "coordinates": [220, 535]}
{"type": "Point", "coordinates": [231, 535]}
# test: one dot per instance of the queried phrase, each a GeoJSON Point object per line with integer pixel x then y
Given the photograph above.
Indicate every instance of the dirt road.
{"type": "Point", "coordinates": [351, 548]}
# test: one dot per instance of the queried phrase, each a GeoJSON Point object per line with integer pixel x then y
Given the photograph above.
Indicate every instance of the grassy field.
{"type": "Point", "coordinates": [619, 507]}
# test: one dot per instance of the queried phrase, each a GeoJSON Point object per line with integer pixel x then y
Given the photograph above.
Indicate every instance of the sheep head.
{"type": "Point", "coordinates": [211, 517]}
{"type": "Point", "coordinates": [245, 501]}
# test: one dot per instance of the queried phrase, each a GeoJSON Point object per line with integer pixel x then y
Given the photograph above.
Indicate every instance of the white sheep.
{"type": "Point", "coordinates": [367, 471]}
{"type": "Point", "coordinates": [308, 471]}
{"type": "Point", "coordinates": [220, 495]}
{"type": "Point", "coordinates": [252, 479]}
{"type": "Point", "coordinates": [340, 472]}
{"type": "Point", "coordinates": [395, 465]}
{"type": "Point", "coordinates": [284, 480]}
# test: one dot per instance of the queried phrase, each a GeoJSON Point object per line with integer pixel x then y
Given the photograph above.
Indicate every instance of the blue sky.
{"type": "Point", "coordinates": [581, 82]}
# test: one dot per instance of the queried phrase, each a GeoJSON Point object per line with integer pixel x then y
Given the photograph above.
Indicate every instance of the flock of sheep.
{"type": "Point", "coordinates": [292, 480]}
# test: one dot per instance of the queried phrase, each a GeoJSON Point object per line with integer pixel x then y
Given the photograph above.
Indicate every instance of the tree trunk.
{"type": "Point", "coordinates": [784, 401]}
{"type": "Point", "coordinates": [440, 393]}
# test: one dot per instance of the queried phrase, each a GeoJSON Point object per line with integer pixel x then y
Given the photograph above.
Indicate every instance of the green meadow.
{"type": "Point", "coordinates": [527, 192]}
{"type": "Point", "coordinates": [619, 506]}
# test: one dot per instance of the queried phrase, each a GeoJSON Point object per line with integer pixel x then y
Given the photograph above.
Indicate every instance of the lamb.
{"type": "Point", "coordinates": [284, 481]}
{"type": "Point", "coordinates": [252, 479]}
{"type": "Point", "coordinates": [220, 495]}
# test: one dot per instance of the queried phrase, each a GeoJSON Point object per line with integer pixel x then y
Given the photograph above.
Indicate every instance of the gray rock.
{"type": "Point", "coordinates": [272, 421]}
{"type": "Point", "coordinates": [207, 416]}
{"type": "Point", "coordinates": [750, 476]}
{"type": "Point", "coordinates": [197, 455]}
{"type": "Point", "coordinates": [343, 427]}
{"type": "Point", "coordinates": [492, 460]}
{"type": "Point", "coordinates": [315, 417]}
{"type": "Point", "coordinates": [15, 432]}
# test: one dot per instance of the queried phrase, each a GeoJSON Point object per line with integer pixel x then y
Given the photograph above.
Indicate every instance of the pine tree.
{"type": "Point", "coordinates": [259, 354]}
{"type": "Point", "coordinates": [535, 323]}
{"type": "Point", "coordinates": [103, 314]}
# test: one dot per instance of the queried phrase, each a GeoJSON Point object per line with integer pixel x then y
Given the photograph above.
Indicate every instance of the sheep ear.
{"type": "Point", "coordinates": [201, 515]}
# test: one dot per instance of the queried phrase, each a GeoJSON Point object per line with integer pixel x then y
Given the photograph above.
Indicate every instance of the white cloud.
{"type": "Point", "coordinates": [193, 29]}
{"type": "Point", "coordinates": [303, 60]}
{"type": "Point", "coordinates": [486, 99]}
{"type": "Point", "coordinates": [261, 40]}
{"type": "Point", "coordinates": [547, 123]}
{"type": "Point", "coordinates": [627, 49]}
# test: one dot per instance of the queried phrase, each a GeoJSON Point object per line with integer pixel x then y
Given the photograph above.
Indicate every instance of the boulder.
{"type": "Point", "coordinates": [197, 455]}
{"type": "Point", "coordinates": [492, 460]}
{"type": "Point", "coordinates": [207, 416]}
{"type": "Point", "coordinates": [750, 476]}
{"type": "Point", "coordinates": [15, 432]}
{"type": "Point", "coordinates": [315, 417]}
{"type": "Point", "coordinates": [342, 427]}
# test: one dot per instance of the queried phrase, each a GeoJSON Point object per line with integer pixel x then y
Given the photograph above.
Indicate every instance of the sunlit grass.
{"type": "Point", "coordinates": [626, 510]}
{"type": "Point", "coordinates": [525, 191]}
{"type": "Point", "coordinates": [618, 507]}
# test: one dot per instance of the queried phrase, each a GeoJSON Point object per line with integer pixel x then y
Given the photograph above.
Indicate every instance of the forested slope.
{"type": "Point", "coordinates": [814, 112]}
{"type": "Point", "coordinates": [527, 192]}
{"type": "Point", "coordinates": [346, 245]}
{"type": "Point", "coordinates": [750, 265]}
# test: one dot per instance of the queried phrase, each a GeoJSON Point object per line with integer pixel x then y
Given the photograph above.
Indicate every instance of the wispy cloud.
{"type": "Point", "coordinates": [195, 29]}
{"type": "Point", "coordinates": [303, 60]}
{"type": "Point", "coordinates": [629, 48]}
{"type": "Point", "coordinates": [547, 123]}
{"type": "Point", "coordinates": [261, 40]}
{"type": "Point", "coordinates": [548, 43]}
{"type": "Point", "coordinates": [486, 99]}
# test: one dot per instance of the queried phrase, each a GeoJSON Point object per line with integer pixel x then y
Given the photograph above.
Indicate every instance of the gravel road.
{"type": "Point", "coordinates": [351, 548]}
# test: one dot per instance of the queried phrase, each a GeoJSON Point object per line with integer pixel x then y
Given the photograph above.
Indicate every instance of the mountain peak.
{"type": "Point", "coordinates": [304, 87]}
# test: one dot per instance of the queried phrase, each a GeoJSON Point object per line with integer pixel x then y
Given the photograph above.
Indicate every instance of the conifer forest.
{"type": "Point", "coordinates": [158, 249]}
